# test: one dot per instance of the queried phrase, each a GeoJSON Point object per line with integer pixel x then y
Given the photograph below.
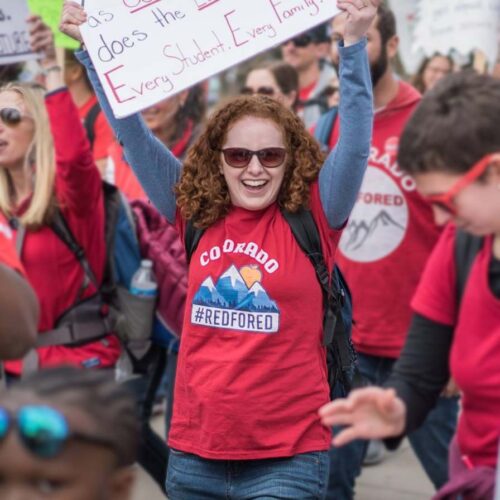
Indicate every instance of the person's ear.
{"type": "Point", "coordinates": [290, 98]}
{"type": "Point", "coordinates": [121, 483]}
{"type": "Point", "coordinates": [392, 46]}
{"type": "Point", "coordinates": [495, 169]}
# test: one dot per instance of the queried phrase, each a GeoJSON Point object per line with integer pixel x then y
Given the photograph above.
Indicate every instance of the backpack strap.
{"type": "Point", "coordinates": [89, 122]}
{"type": "Point", "coordinates": [467, 246]}
{"type": "Point", "coordinates": [324, 127]}
{"type": "Point", "coordinates": [62, 230]}
{"type": "Point", "coordinates": [192, 237]}
{"type": "Point", "coordinates": [306, 233]}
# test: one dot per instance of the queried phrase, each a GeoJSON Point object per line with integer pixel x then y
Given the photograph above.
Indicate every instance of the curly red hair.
{"type": "Point", "coordinates": [202, 192]}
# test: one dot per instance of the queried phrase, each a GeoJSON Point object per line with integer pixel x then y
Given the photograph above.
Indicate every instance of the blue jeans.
{"type": "Point", "coordinates": [303, 476]}
{"type": "Point", "coordinates": [430, 442]}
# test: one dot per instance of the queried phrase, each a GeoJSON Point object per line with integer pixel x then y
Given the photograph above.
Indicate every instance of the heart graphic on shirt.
{"type": "Point", "coordinates": [251, 274]}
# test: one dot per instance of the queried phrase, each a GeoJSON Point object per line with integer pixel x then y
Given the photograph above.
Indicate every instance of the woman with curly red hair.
{"type": "Point", "coordinates": [252, 368]}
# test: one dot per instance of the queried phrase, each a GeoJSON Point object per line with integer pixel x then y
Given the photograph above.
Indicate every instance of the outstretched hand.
{"type": "Point", "coordinates": [72, 17]}
{"type": "Point", "coordinates": [359, 17]}
{"type": "Point", "coordinates": [369, 413]}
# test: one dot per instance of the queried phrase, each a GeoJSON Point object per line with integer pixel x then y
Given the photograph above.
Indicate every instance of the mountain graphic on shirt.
{"type": "Point", "coordinates": [360, 233]}
{"type": "Point", "coordinates": [209, 296]}
{"type": "Point", "coordinates": [232, 287]}
{"type": "Point", "coordinates": [231, 292]}
{"type": "Point", "coordinates": [258, 300]}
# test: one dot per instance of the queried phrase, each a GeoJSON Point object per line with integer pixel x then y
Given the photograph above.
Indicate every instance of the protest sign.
{"type": "Point", "coordinates": [458, 25]}
{"type": "Point", "coordinates": [14, 36]}
{"type": "Point", "coordinates": [147, 50]}
{"type": "Point", "coordinates": [50, 11]}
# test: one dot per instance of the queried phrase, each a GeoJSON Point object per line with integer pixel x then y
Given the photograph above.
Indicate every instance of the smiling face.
{"type": "Point", "coordinates": [253, 187]}
{"type": "Point", "coordinates": [15, 140]}
{"type": "Point", "coordinates": [477, 205]}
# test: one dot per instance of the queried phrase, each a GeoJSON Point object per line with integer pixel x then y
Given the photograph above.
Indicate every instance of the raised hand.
{"type": "Point", "coordinates": [369, 413]}
{"type": "Point", "coordinates": [359, 17]}
{"type": "Point", "coordinates": [72, 17]}
{"type": "Point", "coordinates": [42, 40]}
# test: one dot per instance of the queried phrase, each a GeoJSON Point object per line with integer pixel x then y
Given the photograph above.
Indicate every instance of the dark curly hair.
{"type": "Point", "coordinates": [202, 192]}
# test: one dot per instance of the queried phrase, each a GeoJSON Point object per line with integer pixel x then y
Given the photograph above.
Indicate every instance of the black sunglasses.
{"type": "Point", "coordinates": [43, 430]}
{"type": "Point", "coordinates": [301, 41]}
{"type": "Point", "coordinates": [12, 116]}
{"type": "Point", "coordinates": [261, 90]}
{"type": "Point", "coordinates": [240, 157]}
{"type": "Point", "coordinates": [330, 90]}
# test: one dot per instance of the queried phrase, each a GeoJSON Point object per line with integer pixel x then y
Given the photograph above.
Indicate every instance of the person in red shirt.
{"type": "Point", "coordinates": [251, 368]}
{"type": "Point", "coordinates": [176, 121]}
{"type": "Point", "coordinates": [18, 303]}
{"type": "Point", "coordinates": [383, 250]}
{"type": "Point", "coordinates": [457, 168]}
{"type": "Point", "coordinates": [46, 165]}
{"type": "Point", "coordinates": [101, 135]}
{"type": "Point", "coordinates": [305, 53]}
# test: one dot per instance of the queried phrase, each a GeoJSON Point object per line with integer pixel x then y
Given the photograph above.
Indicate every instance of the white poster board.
{"type": "Point", "coordinates": [461, 25]}
{"type": "Point", "coordinates": [14, 36]}
{"type": "Point", "coordinates": [406, 18]}
{"type": "Point", "coordinates": [147, 50]}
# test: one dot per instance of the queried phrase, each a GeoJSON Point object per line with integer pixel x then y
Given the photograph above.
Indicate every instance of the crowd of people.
{"type": "Point", "coordinates": [397, 183]}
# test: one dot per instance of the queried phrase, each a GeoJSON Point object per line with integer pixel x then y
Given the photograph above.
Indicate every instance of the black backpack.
{"type": "Point", "coordinates": [89, 122]}
{"type": "Point", "coordinates": [467, 246]}
{"type": "Point", "coordinates": [337, 320]}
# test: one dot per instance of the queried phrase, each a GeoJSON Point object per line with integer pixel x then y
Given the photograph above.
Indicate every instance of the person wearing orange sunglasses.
{"type": "Point", "coordinates": [451, 147]}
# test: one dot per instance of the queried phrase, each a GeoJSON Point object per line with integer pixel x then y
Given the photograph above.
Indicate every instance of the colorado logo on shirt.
{"type": "Point", "coordinates": [379, 220]}
{"type": "Point", "coordinates": [236, 302]}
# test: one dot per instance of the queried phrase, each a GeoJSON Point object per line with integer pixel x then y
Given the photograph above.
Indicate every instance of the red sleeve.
{"type": "Point", "coordinates": [435, 297]}
{"type": "Point", "coordinates": [103, 137]}
{"type": "Point", "coordinates": [8, 255]}
{"type": "Point", "coordinates": [78, 182]}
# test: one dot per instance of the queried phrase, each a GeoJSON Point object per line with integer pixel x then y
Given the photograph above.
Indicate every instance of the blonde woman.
{"type": "Point", "coordinates": [47, 171]}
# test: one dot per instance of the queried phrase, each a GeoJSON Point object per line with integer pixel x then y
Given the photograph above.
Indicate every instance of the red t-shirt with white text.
{"type": "Point", "coordinates": [388, 238]}
{"type": "Point", "coordinates": [475, 353]}
{"type": "Point", "coordinates": [251, 373]}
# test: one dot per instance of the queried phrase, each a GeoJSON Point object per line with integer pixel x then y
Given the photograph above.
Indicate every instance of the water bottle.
{"type": "Point", "coordinates": [143, 281]}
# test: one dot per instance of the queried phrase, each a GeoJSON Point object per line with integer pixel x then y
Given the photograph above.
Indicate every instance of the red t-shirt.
{"type": "Point", "coordinates": [251, 373]}
{"type": "Point", "coordinates": [51, 268]}
{"type": "Point", "coordinates": [8, 255]}
{"type": "Point", "coordinates": [475, 353]}
{"type": "Point", "coordinates": [388, 238]}
{"type": "Point", "coordinates": [104, 136]}
{"type": "Point", "coordinates": [123, 176]}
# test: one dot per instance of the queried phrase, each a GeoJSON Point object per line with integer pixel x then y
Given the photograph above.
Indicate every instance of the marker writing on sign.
{"type": "Point", "coordinates": [119, 90]}
{"type": "Point", "coordinates": [301, 7]}
{"type": "Point", "coordinates": [200, 54]}
{"type": "Point", "coordinates": [138, 5]}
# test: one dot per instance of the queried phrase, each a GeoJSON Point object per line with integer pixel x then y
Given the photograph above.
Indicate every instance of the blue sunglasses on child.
{"type": "Point", "coordinates": [43, 430]}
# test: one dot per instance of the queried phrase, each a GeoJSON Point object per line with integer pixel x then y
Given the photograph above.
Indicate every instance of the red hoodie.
{"type": "Point", "coordinates": [388, 239]}
{"type": "Point", "coordinates": [51, 268]}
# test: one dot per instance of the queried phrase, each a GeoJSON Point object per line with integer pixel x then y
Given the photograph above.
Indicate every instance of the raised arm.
{"type": "Point", "coordinates": [157, 169]}
{"type": "Point", "coordinates": [78, 182]}
{"type": "Point", "coordinates": [342, 174]}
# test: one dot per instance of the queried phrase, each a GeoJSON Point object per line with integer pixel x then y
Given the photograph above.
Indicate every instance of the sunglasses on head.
{"type": "Point", "coordinates": [43, 430]}
{"type": "Point", "coordinates": [261, 90]}
{"type": "Point", "coordinates": [11, 116]}
{"type": "Point", "coordinates": [241, 157]}
{"type": "Point", "coordinates": [446, 201]}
